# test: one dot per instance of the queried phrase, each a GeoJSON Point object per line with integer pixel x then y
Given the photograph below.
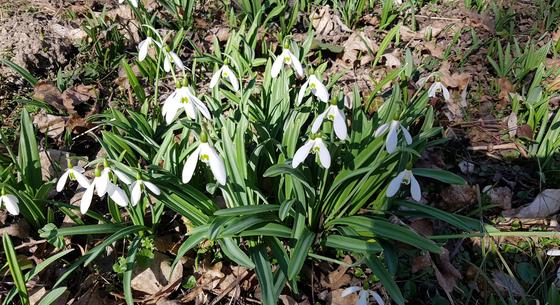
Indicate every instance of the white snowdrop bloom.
{"type": "Point", "coordinates": [137, 187]}
{"type": "Point", "coordinates": [407, 178]}
{"type": "Point", "coordinates": [103, 186]}
{"type": "Point", "coordinates": [10, 202]}
{"type": "Point", "coordinates": [207, 154]}
{"type": "Point", "coordinates": [313, 145]}
{"type": "Point", "coordinates": [75, 173]}
{"type": "Point", "coordinates": [364, 295]}
{"type": "Point", "coordinates": [106, 177]}
{"type": "Point", "coordinates": [436, 88]}
{"type": "Point", "coordinates": [170, 56]}
{"type": "Point", "coordinates": [226, 73]}
{"type": "Point", "coordinates": [133, 2]}
{"type": "Point", "coordinates": [286, 58]}
{"type": "Point", "coordinates": [336, 115]}
{"type": "Point", "coordinates": [144, 46]}
{"type": "Point", "coordinates": [392, 138]}
{"type": "Point", "coordinates": [183, 99]}
{"type": "Point", "coordinates": [553, 252]}
{"type": "Point", "coordinates": [316, 87]}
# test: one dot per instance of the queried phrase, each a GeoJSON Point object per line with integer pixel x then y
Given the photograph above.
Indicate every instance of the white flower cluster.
{"type": "Point", "coordinates": [106, 182]}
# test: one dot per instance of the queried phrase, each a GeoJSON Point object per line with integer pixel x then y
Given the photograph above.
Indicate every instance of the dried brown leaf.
{"type": "Point", "coordinates": [47, 92]}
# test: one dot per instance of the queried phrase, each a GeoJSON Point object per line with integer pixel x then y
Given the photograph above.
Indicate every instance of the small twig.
{"type": "Point", "coordinates": [491, 147]}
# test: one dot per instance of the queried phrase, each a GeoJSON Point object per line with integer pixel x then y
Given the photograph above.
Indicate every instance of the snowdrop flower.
{"type": "Point", "coordinates": [133, 2]}
{"type": "Point", "coordinates": [225, 72]}
{"type": "Point", "coordinates": [407, 178]}
{"type": "Point", "coordinates": [436, 88]}
{"type": "Point", "coordinates": [286, 58]}
{"type": "Point", "coordinates": [143, 47]}
{"type": "Point", "coordinates": [75, 173]}
{"type": "Point", "coordinates": [170, 56]}
{"type": "Point", "coordinates": [11, 203]}
{"type": "Point", "coordinates": [183, 98]}
{"type": "Point", "coordinates": [553, 252]}
{"type": "Point", "coordinates": [314, 145]}
{"type": "Point", "coordinates": [364, 295]}
{"type": "Point", "coordinates": [103, 186]}
{"type": "Point", "coordinates": [317, 88]}
{"type": "Point", "coordinates": [336, 116]}
{"type": "Point", "coordinates": [207, 154]}
{"type": "Point", "coordinates": [137, 187]}
{"type": "Point", "coordinates": [393, 128]}
{"type": "Point", "coordinates": [106, 177]}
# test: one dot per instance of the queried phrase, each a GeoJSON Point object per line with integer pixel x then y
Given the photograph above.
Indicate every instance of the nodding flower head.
{"type": "Point", "coordinates": [314, 145]}
{"type": "Point", "coordinates": [316, 87]}
{"type": "Point", "coordinates": [405, 177]}
{"type": "Point", "coordinates": [75, 173]}
{"type": "Point", "coordinates": [226, 73]}
{"type": "Point", "coordinates": [140, 185]}
{"type": "Point", "coordinates": [392, 138]}
{"type": "Point", "coordinates": [438, 87]}
{"type": "Point", "coordinates": [286, 58]}
{"type": "Point", "coordinates": [183, 99]}
{"type": "Point", "coordinates": [208, 155]}
{"type": "Point", "coordinates": [363, 295]}
{"type": "Point", "coordinates": [10, 202]}
{"type": "Point", "coordinates": [103, 184]}
{"type": "Point", "coordinates": [336, 115]}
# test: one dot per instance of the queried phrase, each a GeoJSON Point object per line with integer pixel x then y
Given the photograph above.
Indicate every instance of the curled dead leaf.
{"type": "Point", "coordinates": [51, 125]}
{"type": "Point", "coordinates": [545, 204]}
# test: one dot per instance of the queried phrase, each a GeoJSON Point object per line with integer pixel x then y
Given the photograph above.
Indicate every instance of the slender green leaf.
{"type": "Point", "coordinates": [15, 270]}
{"type": "Point", "coordinates": [299, 253]}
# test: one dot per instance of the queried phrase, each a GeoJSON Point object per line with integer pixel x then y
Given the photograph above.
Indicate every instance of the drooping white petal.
{"type": "Point", "coordinates": [215, 78]}
{"type": "Point", "coordinates": [62, 181]}
{"type": "Point", "coordinates": [296, 65]}
{"type": "Point", "coordinates": [395, 184]}
{"type": "Point", "coordinates": [87, 197]}
{"type": "Point", "coordinates": [200, 106]}
{"type": "Point", "coordinates": [301, 93]}
{"type": "Point", "coordinates": [318, 121]}
{"type": "Point", "coordinates": [433, 89]}
{"type": "Point", "coordinates": [190, 109]}
{"type": "Point", "coordinates": [324, 155]}
{"type": "Point", "coordinates": [302, 153]}
{"type": "Point", "coordinates": [176, 60]}
{"type": "Point", "coordinates": [122, 176]}
{"type": "Point", "coordinates": [190, 165]}
{"type": "Point", "coordinates": [445, 92]}
{"type": "Point", "coordinates": [102, 182]}
{"type": "Point", "coordinates": [277, 65]}
{"type": "Point", "coordinates": [167, 63]}
{"type": "Point", "coordinates": [348, 291]}
{"type": "Point", "coordinates": [11, 203]}
{"type": "Point", "coordinates": [136, 192]}
{"type": "Point", "coordinates": [406, 134]}
{"type": "Point", "coordinates": [152, 187]}
{"type": "Point", "coordinates": [553, 252]}
{"type": "Point", "coordinates": [117, 195]}
{"type": "Point", "coordinates": [339, 123]}
{"type": "Point", "coordinates": [231, 77]}
{"type": "Point", "coordinates": [79, 169]}
{"type": "Point", "coordinates": [216, 163]}
{"type": "Point", "coordinates": [143, 47]}
{"type": "Point", "coordinates": [381, 130]}
{"type": "Point", "coordinates": [171, 111]}
{"type": "Point", "coordinates": [320, 90]}
{"type": "Point", "coordinates": [363, 298]}
{"type": "Point", "coordinates": [415, 188]}
{"type": "Point", "coordinates": [82, 180]}
{"type": "Point", "coordinates": [377, 297]}
{"type": "Point", "coordinates": [392, 139]}
{"type": "Point", "coordinates": [134, 3]}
